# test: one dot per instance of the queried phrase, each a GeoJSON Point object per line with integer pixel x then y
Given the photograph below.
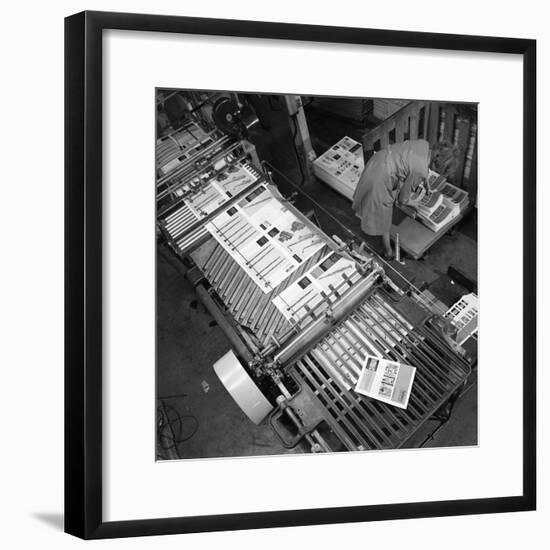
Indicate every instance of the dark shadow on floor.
{"type": "Point", "coordinates": [53, 519]}
{"type": "Point", "coordinates": [189, 342]}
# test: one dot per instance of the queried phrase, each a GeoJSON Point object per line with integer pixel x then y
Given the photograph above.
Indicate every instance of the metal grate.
{"type": "Point", "coordinates": [180, 222]}
{"type": "Point", "coordinates": [330, 371]}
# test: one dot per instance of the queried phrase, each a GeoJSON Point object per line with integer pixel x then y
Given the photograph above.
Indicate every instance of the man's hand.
{"type": "Point", "coordinates": [416, 196]}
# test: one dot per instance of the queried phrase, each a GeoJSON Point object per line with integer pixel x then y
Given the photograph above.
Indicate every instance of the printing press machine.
{"type": "Point", "coordinates": [301, 309]}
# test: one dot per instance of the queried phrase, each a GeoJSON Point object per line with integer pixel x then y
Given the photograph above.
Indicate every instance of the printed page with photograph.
{"type": "Point", "coordinates": [386, 381]}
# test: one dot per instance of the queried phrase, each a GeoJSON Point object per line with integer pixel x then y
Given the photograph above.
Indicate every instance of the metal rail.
{"type": "Point", "coordinates": [179, 171]}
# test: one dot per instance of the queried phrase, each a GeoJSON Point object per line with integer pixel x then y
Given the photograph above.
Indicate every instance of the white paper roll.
{"type": "Point", "coordinates": [242, 388]}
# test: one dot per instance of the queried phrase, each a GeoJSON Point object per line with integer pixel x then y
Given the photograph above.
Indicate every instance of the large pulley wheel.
{"type": "Point", "coordinates": [232, 119]}
{"type": "Point", "coordinates": [226, 115]}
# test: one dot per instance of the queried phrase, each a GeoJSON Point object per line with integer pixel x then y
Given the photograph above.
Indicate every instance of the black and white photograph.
{"type": "Point", "coordinates": [301, 240]}
{"type": "Point", "coordinates": [290, 281]}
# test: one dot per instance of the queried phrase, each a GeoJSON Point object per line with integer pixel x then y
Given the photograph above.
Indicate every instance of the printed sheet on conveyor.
{"type": "Point", "coordinates": [203, 196]}
{"type": "Point", "coordinates": [219, 190]}
{"type": "Point", "coordinates": [265, 237]}
{"type": "Point", "coordinates": [318, 288]}
{"type": "Point", "coordinates": [179, 146]}
{"type": "Point", "coordinates": [386, 381]}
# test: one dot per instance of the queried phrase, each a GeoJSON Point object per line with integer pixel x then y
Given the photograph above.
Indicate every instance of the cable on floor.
{"type": "Point", "coordinates": [170, 427]}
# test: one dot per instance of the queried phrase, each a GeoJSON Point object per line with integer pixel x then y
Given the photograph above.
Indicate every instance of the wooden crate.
{"type": "Point", "coordinates": [409, 122]}
{"type": "Point", "coordinates": [457, 123]}
{"type": "Point", "coordinates": [433, 121]}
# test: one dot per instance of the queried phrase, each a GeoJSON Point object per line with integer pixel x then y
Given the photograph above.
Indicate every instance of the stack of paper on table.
{"type": "Point", "coordinates": [341, 166]}
{"type": "Point", "coordinates": [443, 204]}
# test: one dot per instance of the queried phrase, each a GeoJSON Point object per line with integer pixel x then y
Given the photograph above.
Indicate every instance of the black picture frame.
{"type": "Point", "coordinates": [83, 273]}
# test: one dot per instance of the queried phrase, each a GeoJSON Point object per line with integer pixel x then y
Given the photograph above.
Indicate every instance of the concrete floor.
{"type": "Point", "coordinates": [189, 342]}
{"type": "Point", "coordinates": [204, 418]}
